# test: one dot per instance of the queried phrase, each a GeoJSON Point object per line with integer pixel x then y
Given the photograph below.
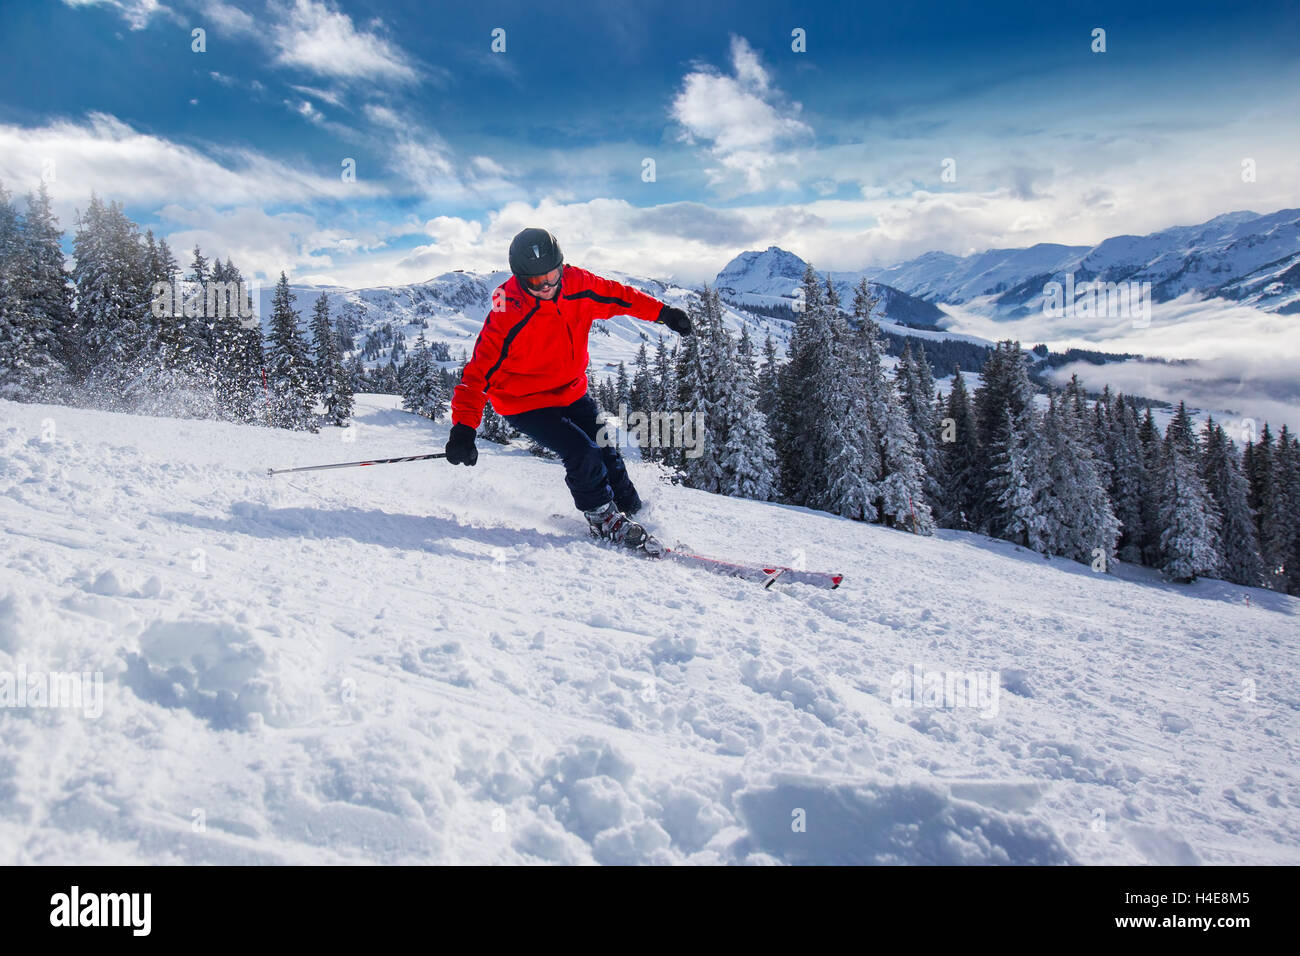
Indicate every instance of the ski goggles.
{"type": "Point", "coordinates": [538, 283]}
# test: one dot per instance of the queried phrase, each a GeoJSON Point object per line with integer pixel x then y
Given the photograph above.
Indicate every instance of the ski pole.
{"type": "Point", "coordinates": [350, 464]}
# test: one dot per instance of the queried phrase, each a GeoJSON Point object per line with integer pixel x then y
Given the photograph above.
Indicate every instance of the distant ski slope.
{"type": "Point", "coordinates": [416, 663]}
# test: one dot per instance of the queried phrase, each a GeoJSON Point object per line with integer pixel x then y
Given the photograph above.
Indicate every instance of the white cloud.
{"type": "Point", "coordinates": [1188, 327]}
{"type": "Point", "coordinates": [107, 156]}
{"type": "Point", "coordinates": [488, 166]}
{"type": "Point", "coordinates": [264, 244]}
{"type": "Point", "coordinates": [317, 37]}
{"type": "Point", "coordinates": [425, 161]}
{"type": "Point", "coordinates": [739, 119]}
{"type": "Point", "coordinates": [1241, 393]}
{"type": "Point", "coordinates": [305, 109]}
{"type": "Point", "coordinates": [684, 240]}
{"type": "Point", "coordinates": [329, 96]}
{"type": "Point", "coordinates": [228, 17]}
{"type": "Point", "coordinates": [1234, 360]}
{"type": "Point", "coordinates": [137, 13]}
{"type": "Point", "coordinates": [452, 234]}
{"type": "Point", "coordinates": [382, 115]}
{"type": "Point", "coordinates": [260, 244]}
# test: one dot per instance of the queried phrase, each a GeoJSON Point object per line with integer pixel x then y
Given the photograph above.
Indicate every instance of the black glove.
{"type": "Point", "coordinates": [675, 319]}
{"type": "Point", "coordinates": [460, 446]}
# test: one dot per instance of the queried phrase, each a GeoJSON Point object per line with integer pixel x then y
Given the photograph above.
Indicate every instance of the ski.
{"type": "Point", "coordinates": [759, 574]}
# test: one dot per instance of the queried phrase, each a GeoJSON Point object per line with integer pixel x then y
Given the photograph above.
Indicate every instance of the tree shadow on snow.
{"type": "Point", "coordinates": [383, 528]}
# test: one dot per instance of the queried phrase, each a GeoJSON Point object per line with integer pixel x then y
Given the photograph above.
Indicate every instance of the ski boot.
{"type": "Point", "coordinates": [609, 524]}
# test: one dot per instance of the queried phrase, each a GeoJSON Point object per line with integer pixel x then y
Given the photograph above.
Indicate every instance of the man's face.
{"type": "Point", "coordinates": [546, 286]}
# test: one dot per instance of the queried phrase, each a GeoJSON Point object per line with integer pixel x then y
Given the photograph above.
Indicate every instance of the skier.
{"type": "Point", "coordinates": [530, 360]}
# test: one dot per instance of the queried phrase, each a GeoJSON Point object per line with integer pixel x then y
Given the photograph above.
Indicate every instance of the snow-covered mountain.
{"type": "Point", "coordinates": [1243, 256]}
{"type": "Point", "coordinates": [418, 664]}
{"type": "Point", "coordinates": [772, 277]}
{"type": "Point", "coordinates": [451, 308]}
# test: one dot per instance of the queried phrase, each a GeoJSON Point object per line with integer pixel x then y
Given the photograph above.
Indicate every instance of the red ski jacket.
{"type": "Point", "coordinates": [532, 353]}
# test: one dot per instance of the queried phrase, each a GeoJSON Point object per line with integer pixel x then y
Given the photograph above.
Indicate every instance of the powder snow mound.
{"type": "Point", "coordinates": [418, 663]}
{"type": "Point", "coordinates": [222, 674]}
{"type": "Point", "coordinates": [803, 820]}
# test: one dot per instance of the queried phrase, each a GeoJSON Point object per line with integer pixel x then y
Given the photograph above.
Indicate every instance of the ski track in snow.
{"type": "Point", "coordinates": [417, 663]}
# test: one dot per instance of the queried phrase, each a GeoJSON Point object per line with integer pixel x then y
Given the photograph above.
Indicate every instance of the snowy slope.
{"type": "Point", "coordinates": [417, 663]}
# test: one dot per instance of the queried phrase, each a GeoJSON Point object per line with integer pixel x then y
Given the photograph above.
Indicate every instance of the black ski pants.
{"type": "Point", "coordinates": [594, 475]}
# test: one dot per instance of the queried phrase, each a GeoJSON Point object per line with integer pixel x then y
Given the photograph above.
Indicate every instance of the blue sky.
{"type": "Point", "coordinates": [836, 153]}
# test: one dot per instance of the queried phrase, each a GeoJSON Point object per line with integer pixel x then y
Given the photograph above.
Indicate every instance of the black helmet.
{"type": "Point", "coordinates": [534, 252]}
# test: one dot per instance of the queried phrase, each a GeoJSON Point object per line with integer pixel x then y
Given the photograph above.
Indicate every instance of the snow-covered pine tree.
{"type": "Point", "coordinates": [112, 299]}
{"type": "Point", "coordinates": [704, 370]}
{"type": "Point", "coordinates": [167, 347]}
{"type": "Point", "coordinates": [745, 354]}
{"type": "Point", "coordinates": [622, 387]}
{"type": "Point", "coordinates": [288, 365]}
{"type": "Point", "coordinates": [1149, 446]}
{"type": "Point", "coordinates": [960, 494]}
{"type": "Point", "coordinates": [664, 386]}
{"type": "Point", "coordinates": [242, 358]}
{"type": "Point", "coordinates": [1291, 472]}
{"type": "Point", "coordinates": [15, 336]}
{"type": "Point", "coordinates": [768, 379]}
{"type": "Point", "coordinates": [397, 354]}
{"type": "Point", "coordinates": [991, 401]}
{"type": "Point", "coordinates": [605, 395]}
{"type": "Point", "coordinates": [495, 428]}
{"type": "Point", "coordinates": [915, 381]}
{"type": "Point", "coordinates": [900, 492]}
{"type": "Point", "coordinates": [331, 380]}
{"type": "Point", "coordinates": [854, 466]}
{"type": "Point", "coordinates": [1018, 482]}
{"type": "Point", "coordinates": [48, 306]}
{"type": "Point", "coordinates": [864, 300]}
{"type": "Point", "coordinates": [1080, 523]}
{"type": "Point", "coordinates": [224, 306]}
{"type": "Point", "coordinates": [747, 461]}
{"type": "Point", "coordinates": [639, 393]}
{"type": "Point", "coordinates": [1128, 478]}
{"type": "Point", "coordinates": [832, 380]}
{"type": "Point", "coordinates": [801, 438]}
{"type": "Point", "coordinates": [1281, 520]}
{"type": "Point", "coordinates": [1004, 401]}
{"type": "Point", "coordinates": [422, 386]}
{"type": "Point", "coordinates": [198, 328]}
{"type": "Point", "coordinates": [1103, 413]}
{"type": "Point", "coordinates": [661, 397]}
{"type": "Point", "coordinates": [355, 368]}
{"type": "Point", "coordinates": [343, 331]}
{"type": "Point", "coordinates": [1188, 522]}
{"type": "Point", "coordinates": [1258, 465]}
{"type": "Point", "coordinates": [1238, 543]}
{"type": "Point", "coordinates": [1183, 431]}
{"type": "Point", "coordinates": [384, 380]}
